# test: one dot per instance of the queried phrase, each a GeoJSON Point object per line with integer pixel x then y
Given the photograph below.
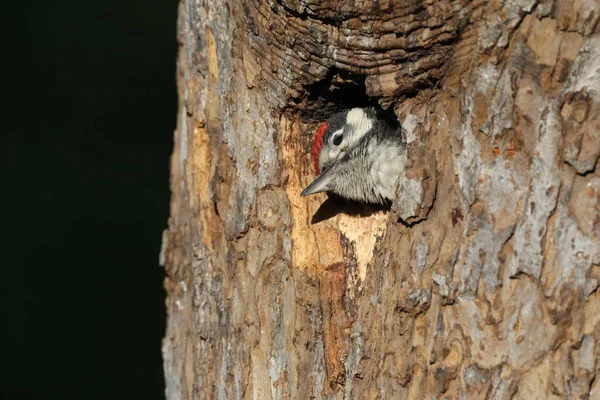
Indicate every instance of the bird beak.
{"type": "Point", "coordinates": [322, 183]}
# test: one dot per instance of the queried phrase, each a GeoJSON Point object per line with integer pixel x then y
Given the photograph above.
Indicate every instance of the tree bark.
{"type": "Point", "coordinates": [480, 281]}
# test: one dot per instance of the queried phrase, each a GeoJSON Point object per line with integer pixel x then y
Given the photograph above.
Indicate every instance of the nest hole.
{"type": "Point", "coordinates": [339, 90]}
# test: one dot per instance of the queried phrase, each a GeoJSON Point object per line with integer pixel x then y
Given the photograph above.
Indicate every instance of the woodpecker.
{"type": "Point", "coordinates": [358, 155]}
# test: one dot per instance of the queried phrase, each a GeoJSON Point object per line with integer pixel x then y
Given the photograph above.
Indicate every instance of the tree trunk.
{"type": "Point", "coordinates": [480, 281]}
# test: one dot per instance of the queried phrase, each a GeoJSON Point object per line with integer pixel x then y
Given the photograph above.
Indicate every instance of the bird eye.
{"type": "Point", "coordinates": [337, 140]}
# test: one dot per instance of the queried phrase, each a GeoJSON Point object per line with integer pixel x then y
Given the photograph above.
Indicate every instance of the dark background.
{"type": "Point", "coordinates": [87, 126]}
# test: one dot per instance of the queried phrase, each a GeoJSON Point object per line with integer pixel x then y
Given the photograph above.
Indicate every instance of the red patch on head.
{"type": "Point", "coordinates": [318, 145]}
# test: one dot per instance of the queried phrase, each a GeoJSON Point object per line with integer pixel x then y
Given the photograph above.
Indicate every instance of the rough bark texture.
{"type": "Point", "coordinates": [479, 282]}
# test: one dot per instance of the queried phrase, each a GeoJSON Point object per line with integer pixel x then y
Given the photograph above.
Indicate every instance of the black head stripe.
{"type": "Point", "coordinates": [334, 124]}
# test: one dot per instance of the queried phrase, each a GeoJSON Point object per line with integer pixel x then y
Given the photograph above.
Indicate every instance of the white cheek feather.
{"type": "Point", "coordinates": [323, 159]}
{"type": "Point", "coordinates": [389, 162]}
{"type": "Point", "coordinates": [333, 153]}
{"type": "Point", "coordinates": [360, 123]}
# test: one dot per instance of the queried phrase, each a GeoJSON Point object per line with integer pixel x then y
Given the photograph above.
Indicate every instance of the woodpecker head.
{"type": "Point", "coordinates": [338, 134]}
{"type": "Point", "coordinates": [348, 149]}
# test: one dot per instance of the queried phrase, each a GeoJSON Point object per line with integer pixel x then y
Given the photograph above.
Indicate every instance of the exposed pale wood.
{"type": "Point", "coordinates": [480, 282]}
